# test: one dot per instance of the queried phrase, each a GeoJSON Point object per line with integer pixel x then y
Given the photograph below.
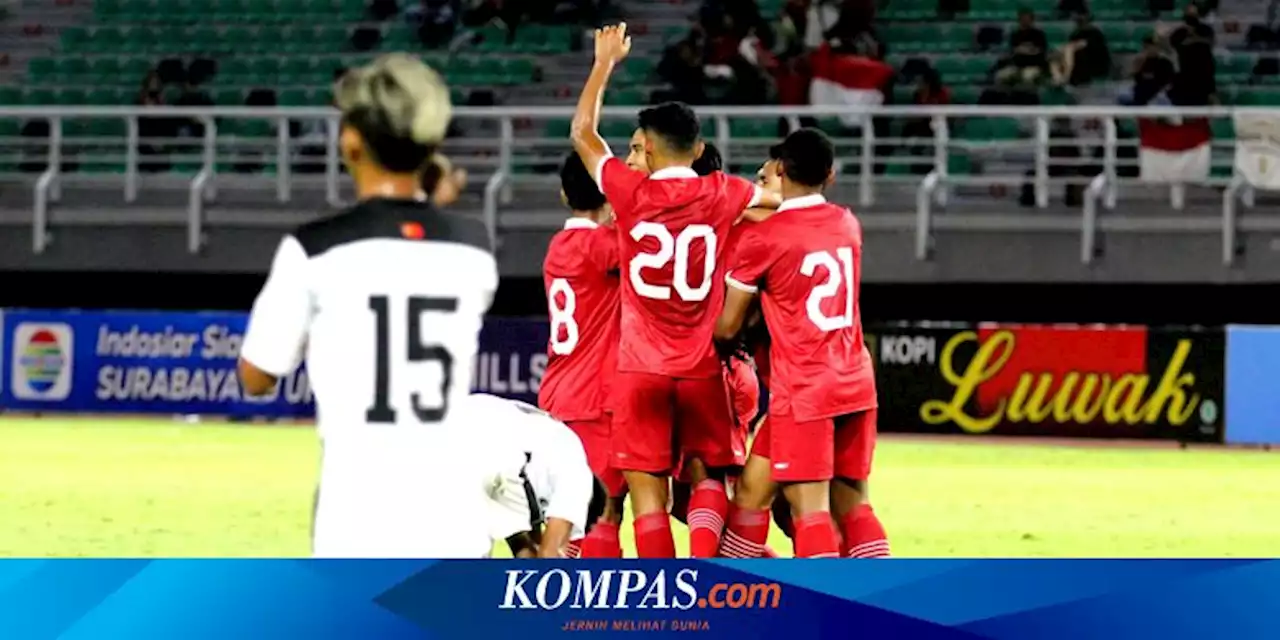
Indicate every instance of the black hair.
{"type": "Point", "coordinates": [579, 187]}
{"type": "Point", "coordinates": [775, 151]}
{"type": "Point", "coordinates": [675, 123]}
{"type": "Point", "coordinates": [432, 174]}
{"type": "Point", "coordinates": [599, 499]}
{"type": "Point", "coordinates": [709, 162]}
{"type": "Point", "coordinates": [807, 157]}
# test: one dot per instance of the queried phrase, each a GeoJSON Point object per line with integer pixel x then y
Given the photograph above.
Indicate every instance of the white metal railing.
{"type": "Point", "coordinates": [501, 154]}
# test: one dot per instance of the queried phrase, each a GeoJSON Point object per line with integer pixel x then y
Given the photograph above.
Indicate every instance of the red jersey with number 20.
{"type": "Point", "coordinates": [805, 261]}
{"type": "Point", "coordinates": [580, 274]}
{"type": "Point", "coordinates": [673, 227]}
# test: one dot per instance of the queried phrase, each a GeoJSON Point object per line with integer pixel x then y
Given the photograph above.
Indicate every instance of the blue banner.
{"type": "Point", "coordinates": [184, 363]}
{"type": "Point", "coordinates": [390, 600]}
{"type": "Point", "coordinates": [1253, 368]}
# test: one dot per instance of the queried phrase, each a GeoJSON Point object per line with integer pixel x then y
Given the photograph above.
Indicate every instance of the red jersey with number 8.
{"type": "Point", "coordinates": [580, 274]}
{"type": "Point", "coordinates": [673, 227]}
{"type": "Point", "coordinates": [805, 261]}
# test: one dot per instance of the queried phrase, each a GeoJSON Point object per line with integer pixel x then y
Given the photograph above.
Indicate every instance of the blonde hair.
{"type": "Point", "coordinates": [394, 100]}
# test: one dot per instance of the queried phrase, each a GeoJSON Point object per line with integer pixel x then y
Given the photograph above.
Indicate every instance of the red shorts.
{"type": "Point", "coordinates": [840, 447]}
{"type": "Point", "coordinates": [737, 441]}
{"type": "Point", "coordinates": [659, 419]}
{"type": "Point", "coordinates": [596, 442]}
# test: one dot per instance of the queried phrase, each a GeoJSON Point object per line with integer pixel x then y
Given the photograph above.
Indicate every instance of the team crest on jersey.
{"type": "Point", "coordinates": [412, 231]}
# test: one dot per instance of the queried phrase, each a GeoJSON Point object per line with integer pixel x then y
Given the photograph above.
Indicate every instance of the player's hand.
{"type": "Point", "coordinates": [612, 43]}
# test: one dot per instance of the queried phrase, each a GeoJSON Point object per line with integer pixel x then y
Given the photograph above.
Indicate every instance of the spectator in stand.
{"type": "Point", "coordinates": [1028, 59]}
{"type": "Point", "coordinates": [1153, 73]}
{"type": "Point", "coordinates": [793, 23]}
{"type": "Point", "coordinates": [151, 129]}
{"type": "Point", "coordinates": [1088, 51]}
{"type": "Point", "coordinates": [682, 67]}
{"type": "Point", "coordinates": [930, 91]}
{"type": "Point", "coordinates": [436, 21]}
{"type": "Point", "coordinates": [1192, 43]}
{"type": "Point", "coordinates": [853, 32]}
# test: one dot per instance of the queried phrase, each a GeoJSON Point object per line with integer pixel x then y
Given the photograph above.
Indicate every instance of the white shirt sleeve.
{"type": "Point", "coordinates": [282, 313]}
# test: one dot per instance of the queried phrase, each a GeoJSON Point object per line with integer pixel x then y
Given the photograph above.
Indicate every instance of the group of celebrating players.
{"type": "Point", "coordinates": [652, 289]}
{"type": "Point", "coordinates": [669, 288]}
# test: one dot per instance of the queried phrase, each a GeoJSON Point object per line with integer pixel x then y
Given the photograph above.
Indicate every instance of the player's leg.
{"type": "Point", "coordinates": [803, 463]}
{"type": "Point", "coordinates": [855, 441]}
{"type": "Point", "coordinates": [603, 539]}
{"type": "Point", "coordinates": [705, 429]}
{"type": "Point", "coordinates": [642, 450]}
{"type": "Point", "coordinates": [747, 529]}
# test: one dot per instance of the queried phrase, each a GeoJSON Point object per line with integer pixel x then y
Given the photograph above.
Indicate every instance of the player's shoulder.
{"type": "Point", "coordinates": [391, 220]}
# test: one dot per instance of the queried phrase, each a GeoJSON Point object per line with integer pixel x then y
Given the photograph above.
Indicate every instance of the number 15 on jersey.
{"type": "Point", "coordinates": [389, 362]}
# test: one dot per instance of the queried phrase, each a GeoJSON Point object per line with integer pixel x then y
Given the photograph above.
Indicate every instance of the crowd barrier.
{"type": "Point", "coordinates": [1002, 379]}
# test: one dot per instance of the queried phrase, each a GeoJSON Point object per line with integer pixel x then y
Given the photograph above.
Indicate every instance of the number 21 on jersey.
{"type": "Point", "coordinates": [388, 361]}
{"type": "Point", "coordinates": [839, 268]}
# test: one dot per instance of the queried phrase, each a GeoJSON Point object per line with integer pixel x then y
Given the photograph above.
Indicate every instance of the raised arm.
{"type": "Point", "coordinates": [612, 46]}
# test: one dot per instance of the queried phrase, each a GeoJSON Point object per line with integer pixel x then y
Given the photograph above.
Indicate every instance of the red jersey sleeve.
{"type": "Point", "coordinates": [743, 193]}
{"type": "Point", "coordinates": [751, 260]}
{"type": "Point", "coordinates": [618, 183]}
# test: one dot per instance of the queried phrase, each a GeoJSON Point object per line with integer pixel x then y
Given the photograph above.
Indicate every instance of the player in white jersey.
{"type": "Point", "coordinates": [387, 300]}
{"type": "Point", "coordinates": [560, 496]}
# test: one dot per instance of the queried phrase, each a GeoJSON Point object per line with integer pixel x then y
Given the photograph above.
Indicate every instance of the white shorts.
{"type": "Point", "coordinates": [403, 497]}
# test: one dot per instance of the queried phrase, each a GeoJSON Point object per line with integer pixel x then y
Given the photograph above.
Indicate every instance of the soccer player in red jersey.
{"type": "Point", "coordinates": [673, 225]}
{"type": "Point", "coordinates": [805, 263]}
{"type": "Point", "coordinates": [580, 275]}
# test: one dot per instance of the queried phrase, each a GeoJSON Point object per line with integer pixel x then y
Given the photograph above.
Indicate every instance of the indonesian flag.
{"type": "Point", "coordinates": [1174, 153]}
{"type": "Point", "coordinates": [847, 80]}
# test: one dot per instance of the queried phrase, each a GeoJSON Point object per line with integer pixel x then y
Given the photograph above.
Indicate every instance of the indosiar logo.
{"type": "Point", "coordinates": [43, 355]}
{"type": "Point", "coordinates": [631, 589]}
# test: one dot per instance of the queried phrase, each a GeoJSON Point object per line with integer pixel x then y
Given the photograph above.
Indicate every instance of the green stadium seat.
{"type": "Point", "coordinates": [74, 96]}
{"type": "Point", "coordinates": [40, 68]}
{"type": "Point", "coordinates": [990, 129]}
{"type": "Point", "coordinates": [75, 39]}
{"type": "Point", "coordinates": [229, 97]}
{"type": "Point", "coordinates": [40, 97]}
{"type": "Point", "coordinates": [1235, 69]}
{"type": "Point", "coordinates": [558, 129]}
{"type": "Point", "coordinates": [616, 129]}
{"type": "Point", "coordinates": [10, 96]}
{"type": "Point", "coordinates": [136, 67]}
{"type": "Point", "coordinates": [105, 69]}
{"type": "Point", "coordinates": [627, 98]}
{"type": "Point", "coordinates": [966, 94]}
{"type": "Point", "coordinates": [994, 10]}
{"type": "Point", "coordinates": [107, 96]}
{"type": "Point", "coordinates": [294, 98]}
{"type": "Point", "coordinates": [1223, 128]}
{"type": "Point", "coordinates": [72, 68]}
{"type": "Point", "coordinates": [754, 128]}
{"type": "Point", "coordinates": [1057, 32]}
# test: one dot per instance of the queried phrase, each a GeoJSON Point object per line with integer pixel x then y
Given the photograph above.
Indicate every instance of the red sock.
{"type": "Point", "coordinates": [572, 550]}
{"type": "Point", "coordinates": [708, 508]}
{"type": "Point", "coordinates": [746, 534]}
{"type": "Point", "coordinates": [864, 536]}
{"type": "Point", "coordinates": [816, 536]}
{"type": "Point", "coordinates": [653, 536]}
{"type": "Point", "coordinates": [602, 542]}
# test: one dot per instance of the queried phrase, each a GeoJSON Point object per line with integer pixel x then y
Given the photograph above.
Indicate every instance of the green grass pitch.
{"type": "Point", "coordinates": [102, 487]}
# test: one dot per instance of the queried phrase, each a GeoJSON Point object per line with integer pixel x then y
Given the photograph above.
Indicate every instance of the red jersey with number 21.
{"type": "Point", "coordinates": [673, 227]}
{"type": "Point", "coordinates": [805, 261]}
{"type": "Point", "coordinates": [580, 274]}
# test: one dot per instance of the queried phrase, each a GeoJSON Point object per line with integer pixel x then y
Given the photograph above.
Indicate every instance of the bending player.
{"type": "Point", "coordinates": [580, 274]}
{"type": "Point", "coordinates": [557, 497]}
{"type": "Point", "coordinates": [385, 345]}
{"type": "Point", "coordinates": [805, 263]}
{"type": "Point", "coordinates": [673, 225]}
